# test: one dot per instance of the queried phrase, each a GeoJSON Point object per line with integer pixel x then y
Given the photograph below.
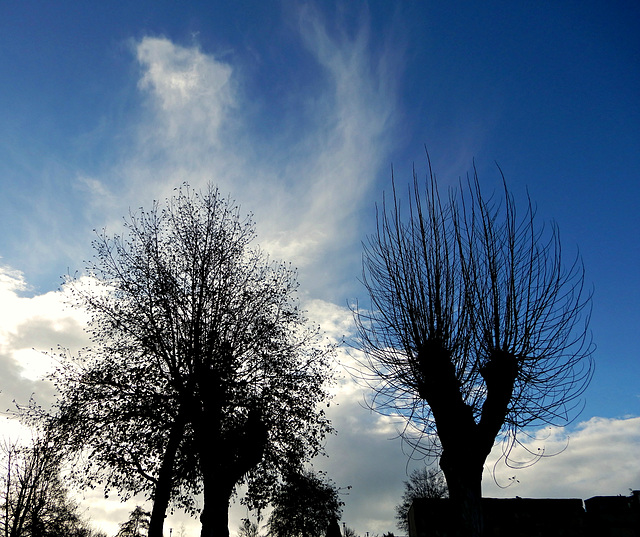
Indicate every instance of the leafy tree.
{"type": "Point", "coordinates": [137, 525]}
{"type": "Point", "coordinates": [305, 506]}
{"type": "Point", "coordinates": [34, 500]}
{"type": "Point", "coordinates": [248, 529]}
{"type": "Point", "coordinates": [423, 483]}
{"type": "Point", "coordinates": [477, 329]}
{"type": "Point", "coordinates": [334, 529]}
{"type": "Point", "coordinates": [204, 372]}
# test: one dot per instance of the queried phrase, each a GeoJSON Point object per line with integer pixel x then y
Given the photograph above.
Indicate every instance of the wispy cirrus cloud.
{"type": "Point", "coordinates": [305, 188]}
{"type": "Point", "coordinates": [191, 96]}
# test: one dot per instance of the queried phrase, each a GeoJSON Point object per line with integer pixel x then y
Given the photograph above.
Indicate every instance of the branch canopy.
{"type": "Point", "coordinates": [477, 325]}
{"type": "Point", "coordinates": [199, 347]}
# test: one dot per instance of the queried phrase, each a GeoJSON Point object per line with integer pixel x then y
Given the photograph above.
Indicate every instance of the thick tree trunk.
{"type": "Point", "coordinates": [464, 481]}
{"type": "Point", "coordinates": [465, 442]}
{"type": "Point", "coordinates": [215, 512]}
{"type": "Point", "coordinates": [223, 463]}
{"type": "Point", "coordinates": [164, 484]}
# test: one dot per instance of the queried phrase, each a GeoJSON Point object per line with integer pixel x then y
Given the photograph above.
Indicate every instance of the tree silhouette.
{"type": "Point", "coordinates": [305, 506]}
{"type": "Point", "coordinates": [34, 502]}
{"type": "Point", "coordinates": [203, 366]}
{"type": "Point", "coordinates": [137, 525]}
{"type": "Point", "coordinates": [248, 529]}
{"type": "Point", "coordinates": [422, 483]}
{"type": "Point", "coordinates": [476, 328]}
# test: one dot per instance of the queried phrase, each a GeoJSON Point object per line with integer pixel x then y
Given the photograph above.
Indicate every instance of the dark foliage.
{"type": "Point", "coordinates": [248, 529]}
{"type": "Point", "coordinates": [34, 502]}
{"type": "Point", "coordinates": [204, 373]}
{"type": "Point", "coordinates": [422, 483]}
{"type": "Point", "coordinates": [137, 525]}
{"type": "Point", "coordinates": [305, 506]}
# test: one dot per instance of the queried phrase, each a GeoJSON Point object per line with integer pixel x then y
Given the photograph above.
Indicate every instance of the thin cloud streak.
{"type": "Point", "coordinates": [305, 197]}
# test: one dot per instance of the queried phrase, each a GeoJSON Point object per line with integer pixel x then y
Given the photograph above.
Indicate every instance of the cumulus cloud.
{"type": "Point", "coordinates": [596, 457]}
{"type": "Point", "coordinates": [30, 326]}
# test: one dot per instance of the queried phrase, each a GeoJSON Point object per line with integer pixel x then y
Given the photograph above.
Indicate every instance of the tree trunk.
{"type": "Point", "coordinates": [215, 512]}
{"type": "Point", "coordinates": [465, 443]}
{"type": "Point", "coordinates": [464, 481]}
{"type": "Point", "coordinates": [219, 479]}
{"type": "Point", "coordinates": [238, 452]}
{"type": "Point", "coordinates": [164, 484]}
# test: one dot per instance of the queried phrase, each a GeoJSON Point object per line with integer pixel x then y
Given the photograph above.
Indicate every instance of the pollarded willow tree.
{"type": "Point", "coordinates": [476, 330]}
{"type": "Point", "coordinates": [204, 372]}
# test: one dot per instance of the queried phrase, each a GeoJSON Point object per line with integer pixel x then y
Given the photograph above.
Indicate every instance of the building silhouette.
{"type": "Point", "coordinates": [600, 516]}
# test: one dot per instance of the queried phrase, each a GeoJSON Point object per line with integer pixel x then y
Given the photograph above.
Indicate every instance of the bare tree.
{"type": "Point", "coordinates": [476, 329]}
{"type": "Point", "coordinates": [204, 371]}
{"type": "Point", "coordinates": [34, 502]}
{"type": "Point", "coordinates": [423, 483]}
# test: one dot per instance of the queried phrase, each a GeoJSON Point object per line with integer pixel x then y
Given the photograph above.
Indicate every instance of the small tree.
{"type": "Point", "coordinates": [476, 329]}
{"type": "Point", "coordinates": [422, 483]}
{"type": "Point", "coordinates": [137, 525]}
{"type": "Point", "coordinates": [334, 529]}
{"type": "Point", "coordinates": [248, 529]}
{"type": "Point", "coordinates": [34, 501]}
{"type": "Point", "coordinates": [305, 506]}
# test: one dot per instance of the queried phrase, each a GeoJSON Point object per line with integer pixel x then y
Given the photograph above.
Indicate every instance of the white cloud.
{"type": "Point", "coordinates": [351, 136]}
{"type": "Point", "coordinates": [336, 321]}
{"type": "Point", "coordinates": [191, 91]}
{"type": "Point", "coordinates": [597, 457]}
{"type": "Point", "coordinates": [29, 326]}
{"type": "Point", "coordinates": [99, 195]}
{"type": "Point", "coordinates": [305, 189]}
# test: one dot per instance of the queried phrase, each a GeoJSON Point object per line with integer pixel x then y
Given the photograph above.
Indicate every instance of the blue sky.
{"type": "Point", "coordinates": [299, 111]}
